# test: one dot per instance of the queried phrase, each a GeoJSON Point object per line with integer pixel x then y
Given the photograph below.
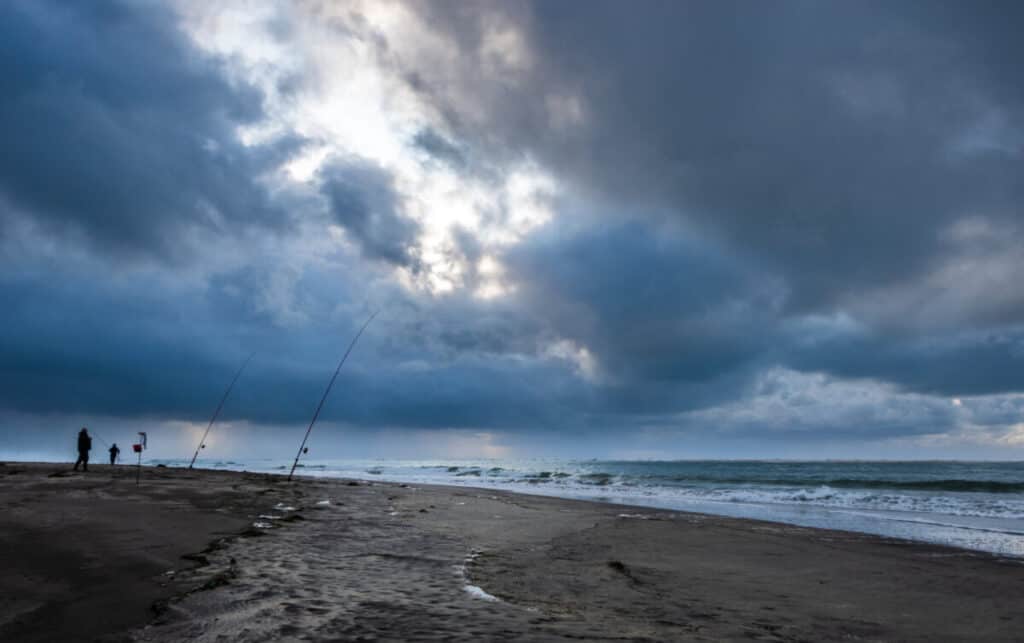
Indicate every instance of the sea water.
{"type": "Point", "coordinates": [974, 505]}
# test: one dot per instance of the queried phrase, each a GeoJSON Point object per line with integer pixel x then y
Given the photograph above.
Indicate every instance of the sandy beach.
{"type": "Point", "coordinates": [223, 556]}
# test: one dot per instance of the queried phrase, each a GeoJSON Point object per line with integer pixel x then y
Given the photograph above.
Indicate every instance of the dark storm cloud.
{"type": "Point", "coordinates": [362, 199]}
{"type": "Point", "coordinates": [964, 363]}
{"type": "Point", "coordinates": [823, 136]}
{"type": "Point", "coordinates": [673, 322]}
{"type": "Point", "coordinates": [116, 129]}
{"type": "Point", "coordinates": [74, 345]}
{"type": "Point", "coordinates": [651, 306]}
{"type": "Point", "coordinates": [835, 144]}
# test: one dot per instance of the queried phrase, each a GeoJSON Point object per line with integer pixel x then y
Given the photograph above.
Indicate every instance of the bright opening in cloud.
{"type": "Point", "coordinates": [347, 100]}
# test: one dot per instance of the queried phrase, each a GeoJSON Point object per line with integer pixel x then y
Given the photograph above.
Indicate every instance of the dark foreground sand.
{"type": "Point", "coordinates": [92, 556]}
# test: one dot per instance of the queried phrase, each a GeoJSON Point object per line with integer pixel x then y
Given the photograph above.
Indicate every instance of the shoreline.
{"type": "Point", "coordinates": [340, 558]}
{"type": "Point", "coordinates": [987, 531]}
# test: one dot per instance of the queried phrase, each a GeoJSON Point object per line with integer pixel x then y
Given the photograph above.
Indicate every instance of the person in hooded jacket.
{"type": "Point", "coordinates": [84, 446]}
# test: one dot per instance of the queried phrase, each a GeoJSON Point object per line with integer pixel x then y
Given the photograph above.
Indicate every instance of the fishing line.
{"type": "Point", "coordinates": [326, 392]}
{"type": "Point", "coordinates": [202, 440]}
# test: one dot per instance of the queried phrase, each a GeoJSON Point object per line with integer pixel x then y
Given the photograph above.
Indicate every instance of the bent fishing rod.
{"type": "Point", "coordinates": [326, 393]}
{"type": "Point", "coordinates": [93, 434]}
{"type": "Point", "coordinates": [202, 440]}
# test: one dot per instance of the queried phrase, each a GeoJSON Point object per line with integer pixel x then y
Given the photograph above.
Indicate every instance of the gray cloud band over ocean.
{"type": "Point", "coordinates": [699, 230]}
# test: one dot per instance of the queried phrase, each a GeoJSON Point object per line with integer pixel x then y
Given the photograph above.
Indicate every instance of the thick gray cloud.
{"type": "Point", "coordinates": [841, 147]}
{"type": "Point", "coordinates": [653, 306]}
{"type": "Point", "coordinates": [964, 363]}
{"type": "Point", "coordinates": [834, 137]}
{"type": "Point", "coordinates": [117, 131]}
{"type": "Point", "coordinates": [362, 199]}
{"type": "Point", "coordinates": [75, 344]}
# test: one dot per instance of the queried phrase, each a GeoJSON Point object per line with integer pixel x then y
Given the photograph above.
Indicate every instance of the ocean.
{"type": "Point", "coordinates": [974, 505]}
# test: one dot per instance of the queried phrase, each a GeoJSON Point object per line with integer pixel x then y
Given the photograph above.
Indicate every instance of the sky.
{"type": "Point", "coordinates": [605, 229]}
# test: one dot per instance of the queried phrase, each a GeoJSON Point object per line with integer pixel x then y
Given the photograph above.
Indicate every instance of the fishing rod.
{"type": "Point", "coordinates": [105, 443]}
{"type": "Point", "coordinates": [202, 441]}
{"type": "Point", "coordinates": [323, 399]}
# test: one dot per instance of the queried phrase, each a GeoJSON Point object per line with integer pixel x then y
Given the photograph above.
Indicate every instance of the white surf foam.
{"type": "Point", "coordinates": [477, 592]}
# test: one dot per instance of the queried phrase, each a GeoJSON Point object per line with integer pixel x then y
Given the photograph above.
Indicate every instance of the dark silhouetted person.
{"type": "Point", "coordinates": [114, 451]}
{"type": "Point", "coordinates": [84, 445]}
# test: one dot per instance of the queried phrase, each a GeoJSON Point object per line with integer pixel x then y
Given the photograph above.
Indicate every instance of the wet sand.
{"type": "Point", "coordinates": [222, 556]}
